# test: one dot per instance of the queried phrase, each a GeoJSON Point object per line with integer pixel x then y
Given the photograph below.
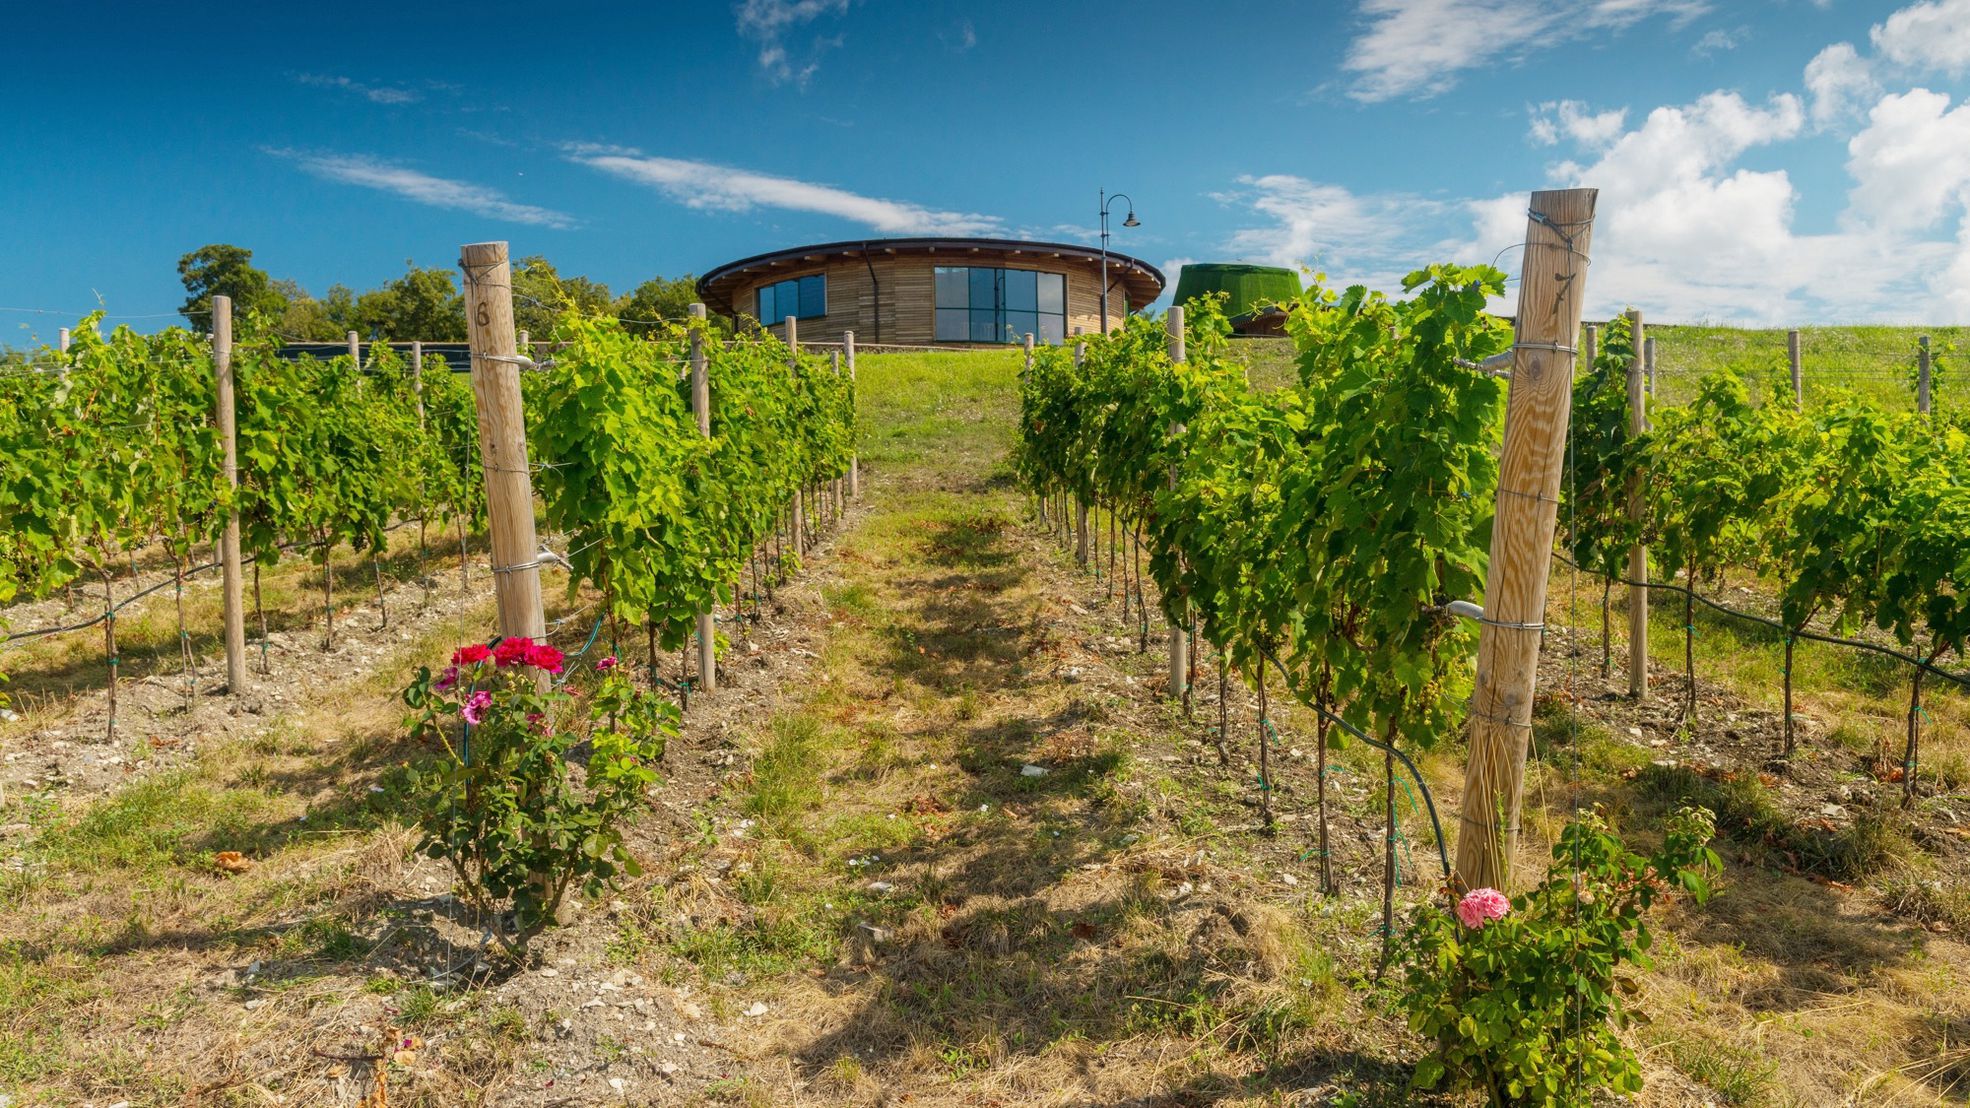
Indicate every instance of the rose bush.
{"type": "Point", "coordinates": [511, 802]}
{"type": "Point", "coordinates": [1523, 998]}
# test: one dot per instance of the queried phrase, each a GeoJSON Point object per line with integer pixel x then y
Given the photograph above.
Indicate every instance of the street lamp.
{"type": "Point", "coordinates": [1127, 221]}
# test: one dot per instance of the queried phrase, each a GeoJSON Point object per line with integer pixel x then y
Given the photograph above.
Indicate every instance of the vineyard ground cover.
{"type": "Point", "coordinates": [55, 682]}
{"type": "Point", "coordinates": [847, 842]}
{"type": "Point", "coordinates": [1830, 892]}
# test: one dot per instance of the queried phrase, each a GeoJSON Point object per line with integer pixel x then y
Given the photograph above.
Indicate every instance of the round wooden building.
{"type": "Point", "coordinates": [930, 291]}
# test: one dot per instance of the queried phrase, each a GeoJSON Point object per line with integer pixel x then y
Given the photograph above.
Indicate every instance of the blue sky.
{"type": "Point", "coordinates": [1788, 161]}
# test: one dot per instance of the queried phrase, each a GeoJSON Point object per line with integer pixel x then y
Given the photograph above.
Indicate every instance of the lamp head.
{"type": "Point", "coordinates": [1131, 220]}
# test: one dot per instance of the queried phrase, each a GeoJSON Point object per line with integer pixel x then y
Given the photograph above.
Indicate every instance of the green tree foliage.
{"type": "Point", "coordinates": [422, 304]}
{"type": "Point", "coordinates": [219, 269]}
{"type": "Point", "coordinates": [657, 301]}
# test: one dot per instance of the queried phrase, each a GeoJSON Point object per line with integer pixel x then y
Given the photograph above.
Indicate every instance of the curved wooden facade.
{"type": "Point", "coordinates": [888, 291]}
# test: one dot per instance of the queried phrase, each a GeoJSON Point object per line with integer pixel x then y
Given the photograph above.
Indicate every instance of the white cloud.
{"type": "Point", "coordinates": [411, 184]}
{"type": "Point", "coordinates": [708, 186]}
{"type": "Point", "coordinates": [1684, 230]}
{"type": "Point", "coordinates": [768, 23]}
{"type": "Point", "coordinates": [1719, 40]}
{"type": "Point", "coordinates": [1421, 47]}
{"type": "Point", "coordinates": [1356, 239]}
{"type": "Point", "coordinates": [1838, 82]}
{"type": "Point", "coordinates": [1573, 119]}
{"type": "Point", "coordinates": [375, 94]}
{"type": "Point", "coordinates": [1911, 164]}
{"type": "Point", "coordinates": [1933, 35]}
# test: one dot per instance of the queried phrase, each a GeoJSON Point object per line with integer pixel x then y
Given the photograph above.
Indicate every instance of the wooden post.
{"type": "Point", "coordinates": [1179, 638]}
{"type": "Point", "coordinates": [1638, 554]}
{"type": "Point", "coordinates": [233, 583]}
{"type": "Point", "coordinates": [1029, 351]}
{"type": "Point", "coordinates": [1798, 378]}
{"type": "Point", "coordinates": [1080, 506]}
{"type": "Point", "coordinates": [1922, 369]}
{"type": "Point", "coordinates": [1589, 344]}
{"type": "Point", "coordinates": [1537, 408]}
{"type": "Point", "coordinates": [701, 407]}
{"type": "Point", "coordinates": [793, 371]}
{"type": "Point", "coordinates": [61, 338]}
{"type": "Point", "coordinates": [503, 438]}
{"type": "Point", "coordinates": [854, 457]}
{"type": "Point", "coordinates": [356, 349]}
{"type": "Point", "coordinates": [417, 381]}
{"type": "Point", "coordinates": [1648, 358]}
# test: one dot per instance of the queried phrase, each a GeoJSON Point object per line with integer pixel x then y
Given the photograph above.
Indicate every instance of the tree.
{"type": "Point", "coordinates": [422, 304]}
{"type": "Point", "coordinates": [219, 269]}
{"type": "Point", "coordinates": [540, 295]}
{"type": "Point", "coordinates": [657, 300]}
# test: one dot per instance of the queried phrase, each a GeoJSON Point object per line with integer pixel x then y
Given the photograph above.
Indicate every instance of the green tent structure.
{"type": "Point", "coordinates": [1249, 290]}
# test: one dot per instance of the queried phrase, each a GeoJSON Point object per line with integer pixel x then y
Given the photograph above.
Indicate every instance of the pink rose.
{"type": "Point", "coordinates": [1481, 906]}
{"type": "Point", "coordinates": [513, 651]}
{"type": "Point", "coordinates": [475, 707]}
{"type": "Point", "coordinates": [471, 655]}
{"type": "Point", "coordinates": [446, 680]}
{"type": "Point", "coordinates": [545, 657]}
{"type": "Point", "coordinates": [606, 664]}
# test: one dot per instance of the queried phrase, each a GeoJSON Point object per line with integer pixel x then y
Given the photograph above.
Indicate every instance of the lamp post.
{"type": "Point", "coordinates": [1127, 221]}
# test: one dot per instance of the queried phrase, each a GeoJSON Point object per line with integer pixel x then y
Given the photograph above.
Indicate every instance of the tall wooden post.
{"type": "Point", "coordinates": [793, 372]}
{"type": "Point", "coordinates": [1589, 344]}
{"type": "Point", "coordinates": [1798, 377]}
{"type": "Point", "coordinates": [1080, 505]}
{"type": "Point", "coordinates": [417, 378]}
{"type": "Point", "coordinates": [502, 438]}
{"type": "Point", "coordinates": [854, 456]}
{"type": "Point", "coordinates": [1923, 367]}
{"type": "Point", "coordinates": [232, 580]}
{"type": "Point", "coordinates": [1648, 359]}
{"type": "Point", "coordinates": [701, 408]}
{"type": "Point", "coordinates": [1537, 408]}
{"type": "Point", "coordinates": [1179, 638]}
{"type": "Point", "coordinates": [356, 349]}
{"type": "Point", "coordinates": [1638, 554]}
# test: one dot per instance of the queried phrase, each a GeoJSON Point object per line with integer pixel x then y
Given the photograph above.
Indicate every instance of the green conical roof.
{"type": "Point", "coordinates": [1248, 286]}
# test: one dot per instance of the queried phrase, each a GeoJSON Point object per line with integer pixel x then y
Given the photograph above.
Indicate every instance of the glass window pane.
{"type": "Point", "coordinates": [984, 288]}
{"type": "Point", "coordinates": [953, 325]}
{"type": "Point", "coordinates": [952, 282]}
{"type": "Point", "coordinates": [813, 296]}
{"type": "Point", "coordinates": [1053, 328]}
{"type": "Point", "coordinates": [766, 304]}
{"type": "Point", "coordinates": [1022, 324]}
{"type": "Point", "coordinates": [1053, 292]}
{"type": "Point", "coordinates": [985, 325]}
{"type": "Point", "coordinates": [1021, 290]}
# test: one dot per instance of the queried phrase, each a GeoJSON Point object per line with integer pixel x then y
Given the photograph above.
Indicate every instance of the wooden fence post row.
{"type": "Point", "coordinates": [233, 581]}
{"type": "Point", "coordinates": [1551, 296]}
{"type": "Point", "coordinates": [1179, 638]}
{"type": "Point", "coordinates": [854, 456]}
{"type": "Point", "coordinates": [1638, 556]}
{"type": "Point", "coordinates": [503, 438]}
{"type": "Point", "coordinates": [1922, 369]}
{"type": "Point", "coordinates": [701, 407]}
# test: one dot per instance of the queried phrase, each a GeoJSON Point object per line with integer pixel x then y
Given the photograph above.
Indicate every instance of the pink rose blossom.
{"type": "Point", "coordinates": [546, 657]}
{"type": "Point", "coordinates": [446, 679]}
{"type": "Point", "coordinates": [475, 707]}
{"type": "Point", "coordinates": [1481, 906]}
{"type": "Point", "coordinates": [606, 664]}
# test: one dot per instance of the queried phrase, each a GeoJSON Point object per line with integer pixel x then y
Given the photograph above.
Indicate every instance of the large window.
{"type": "Point", "coordinates": [800, 297]}
{"type": "Point", "coordinates": [976, 304]}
